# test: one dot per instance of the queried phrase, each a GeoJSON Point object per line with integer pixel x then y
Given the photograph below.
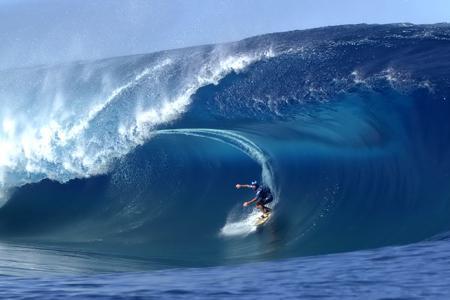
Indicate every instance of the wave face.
{"type": "Point", "coordinates": [139, 155]}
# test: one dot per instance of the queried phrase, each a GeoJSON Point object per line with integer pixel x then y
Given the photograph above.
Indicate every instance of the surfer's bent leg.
{"type": "Point", "coordinates": [266, 201]}
{"type": "Point", "coordinates": [260, 206]}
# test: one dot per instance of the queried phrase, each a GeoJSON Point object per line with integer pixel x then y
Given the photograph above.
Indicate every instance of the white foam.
{"type": "Point", "coordinates": [241, 227]}
{"type": "Point", "coordinates": [83, 124]}
{"type": "Point", "coordinates": [170, 110]}
{"type": "Point", "coordinates": [54, 135]}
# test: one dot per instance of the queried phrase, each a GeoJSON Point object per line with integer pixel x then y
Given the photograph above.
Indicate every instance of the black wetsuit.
{"type": "Point", "coordinates": [263, 195]}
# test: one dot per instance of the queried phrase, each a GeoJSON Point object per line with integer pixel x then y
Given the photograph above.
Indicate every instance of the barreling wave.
{"type": "Point", "coordinates": [237, 224]}
{"type": "Point", "coordinates": [348, 125]}
{"type": "Point", "coordinates": [72, 121]}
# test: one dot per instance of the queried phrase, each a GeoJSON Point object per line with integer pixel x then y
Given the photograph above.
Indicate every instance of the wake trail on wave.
{"type": "Point", "coordinates": [238, 223]}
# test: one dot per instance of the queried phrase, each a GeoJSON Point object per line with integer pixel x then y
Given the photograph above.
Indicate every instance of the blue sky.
{"type": "Point", "coordinates": [52, 31]}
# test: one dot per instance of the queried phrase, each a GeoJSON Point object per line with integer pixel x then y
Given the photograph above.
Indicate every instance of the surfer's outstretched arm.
{"type": "Point", "coordinates": [249, 186]}
{"type": "Point", "coordinates": [250, 202]}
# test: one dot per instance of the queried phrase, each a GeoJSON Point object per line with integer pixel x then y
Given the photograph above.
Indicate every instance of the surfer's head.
{"type": "Point", "coordinates": [254, 184]}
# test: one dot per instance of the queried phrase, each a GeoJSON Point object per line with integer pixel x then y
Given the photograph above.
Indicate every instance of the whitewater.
{"type": "Point", "coordinates": [122, 170]}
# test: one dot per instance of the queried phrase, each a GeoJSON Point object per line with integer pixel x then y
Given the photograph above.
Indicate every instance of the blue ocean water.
{"type": "Point", "coordinates": [416, 271]}
{"type": "Point", "coordinates": [117, 176]}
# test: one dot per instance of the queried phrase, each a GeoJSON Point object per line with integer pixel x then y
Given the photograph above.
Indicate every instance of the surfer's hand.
{"type": "Point", "coordinates": [245, 204]}
{"type": "Point", "coordinates": [238, 186]}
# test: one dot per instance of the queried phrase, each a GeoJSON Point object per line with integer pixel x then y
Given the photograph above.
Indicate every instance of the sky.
{"type": "Point", "coordinates": [35, 32]}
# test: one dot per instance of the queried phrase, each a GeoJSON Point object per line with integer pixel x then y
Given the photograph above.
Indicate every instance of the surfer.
{"type": "Point", "coordinates": [263, 196]}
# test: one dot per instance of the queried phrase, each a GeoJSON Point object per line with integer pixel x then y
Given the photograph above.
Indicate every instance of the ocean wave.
{"type": "Point", "coordinates": [347, 125]}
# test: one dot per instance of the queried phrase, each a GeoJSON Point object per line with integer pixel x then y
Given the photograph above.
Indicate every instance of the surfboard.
{"type": "Point", "coordinates": [263, 219]}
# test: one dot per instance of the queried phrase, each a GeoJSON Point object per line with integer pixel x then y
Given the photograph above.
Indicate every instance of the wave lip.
{"type": "Point", "coordinates": [89, 124]}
